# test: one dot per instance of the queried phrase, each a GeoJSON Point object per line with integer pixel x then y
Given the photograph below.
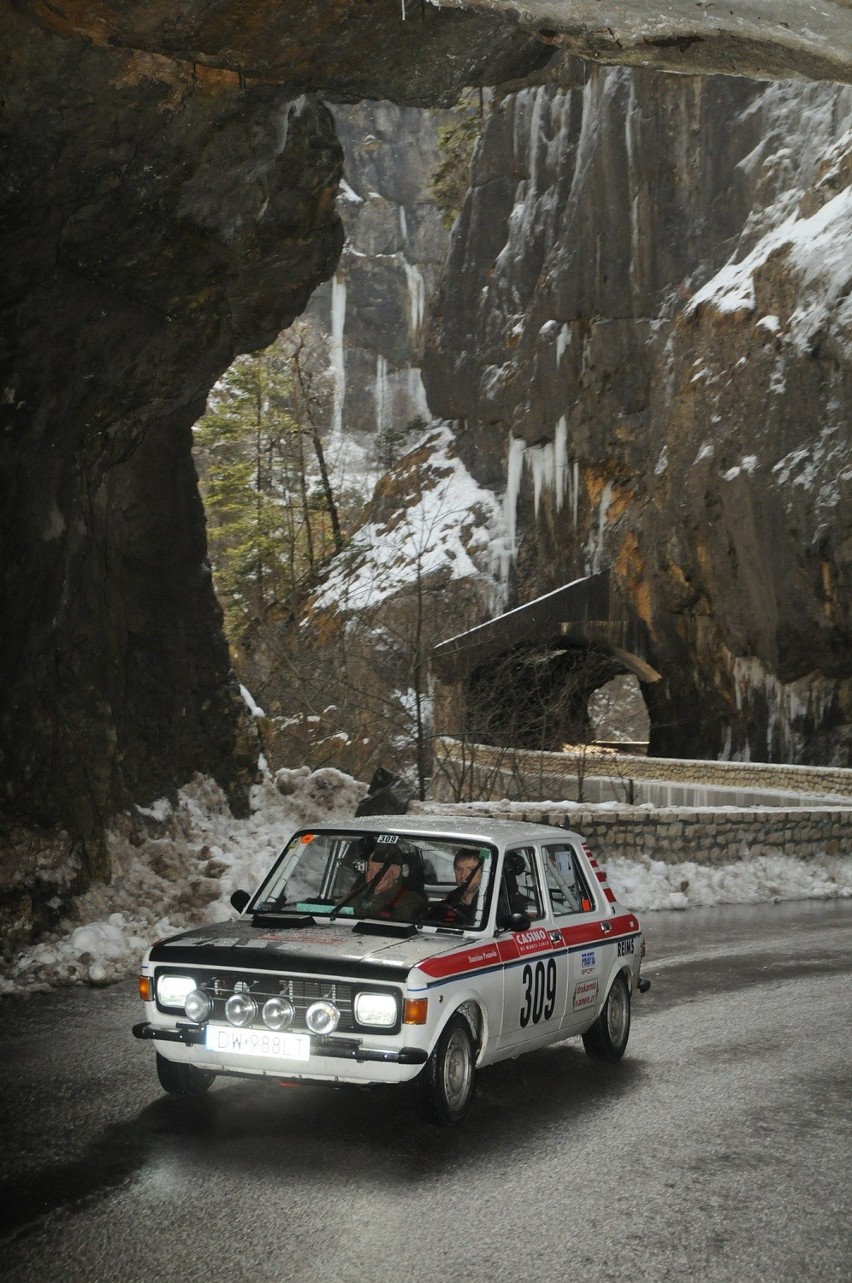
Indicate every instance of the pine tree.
{"type": "Point", "coordinates": [262, 518]}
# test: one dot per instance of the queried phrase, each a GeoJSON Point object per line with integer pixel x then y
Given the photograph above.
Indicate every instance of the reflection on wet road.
{"type": "Point", "coordinates": [719, 1148]}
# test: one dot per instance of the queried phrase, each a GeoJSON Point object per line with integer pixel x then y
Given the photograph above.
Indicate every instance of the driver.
{"type": "Point", "coordinates": [467, 869]}
{"type": "Point", "coordinates": [385, 894]}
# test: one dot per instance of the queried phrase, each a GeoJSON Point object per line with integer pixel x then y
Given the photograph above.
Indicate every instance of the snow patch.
{"type": "Point", "coordinates": [451, 526]}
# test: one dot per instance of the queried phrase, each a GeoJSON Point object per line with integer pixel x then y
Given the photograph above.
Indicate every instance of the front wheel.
{"type": "Point", "coordinates": [180, 1079]}
{"type": "Point", "coordinates": [607, 1038]}
{"type": "Point", "coordinates": [445, 1084]}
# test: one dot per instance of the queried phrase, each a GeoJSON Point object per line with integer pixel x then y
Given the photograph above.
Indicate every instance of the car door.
{"type": "Point", "coordinates": [583, 929]}
{"type": "Point", "coordinates": [535, 961]}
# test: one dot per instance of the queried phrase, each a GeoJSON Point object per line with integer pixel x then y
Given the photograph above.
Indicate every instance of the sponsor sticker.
{"type": "Point", "coordinates": [585, 994]}
{"type": "Point", "coordinates": [588, 962]}
{"type": "Point", "coordinates": [532, 941]}
{"type": "Point", "coordinates": [488, 954]}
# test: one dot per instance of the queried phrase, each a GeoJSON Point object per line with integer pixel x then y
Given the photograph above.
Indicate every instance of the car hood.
{"type": "Point", "coordinates": [332, 947]}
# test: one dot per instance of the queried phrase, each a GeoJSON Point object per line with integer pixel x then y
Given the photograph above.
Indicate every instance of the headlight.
{"type": "Point", "coordinates": [198, 1005]}
{"type": "Point", "coordinates": [322, 1017]}
{"type": "Point", "coordinates": [241, 1009]}
{"type": "Point", "coordinates": [172, 990]}
{"type": "Point", "coordinates": [375, 1009]}
{"type": "Point", "coordinates": [278, 1013]}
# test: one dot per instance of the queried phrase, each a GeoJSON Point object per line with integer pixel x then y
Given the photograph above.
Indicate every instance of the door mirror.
{"type": "Point", "coordinates": [239, 900]}
{"type": "Point", "coordinates": [518, 922]}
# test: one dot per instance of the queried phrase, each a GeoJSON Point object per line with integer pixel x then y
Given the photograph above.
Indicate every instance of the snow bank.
{"type": "Point", "coordinates": [176, 863]}
{"type": "Point", "coordinates": [652, 884]}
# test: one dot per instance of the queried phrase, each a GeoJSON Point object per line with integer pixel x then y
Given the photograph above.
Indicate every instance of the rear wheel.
{"type": "Point", "coordinates": [445, 1084]}
{"type": "Point", "coordinates": [180, 1079]}
{"type": "Point", "coordinates": [607, 1038]}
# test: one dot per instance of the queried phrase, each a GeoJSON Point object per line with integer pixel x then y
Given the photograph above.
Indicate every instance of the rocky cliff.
{"type": "Point", "coordinates": [168, 202]}
{"type": "Point", "coordinates": [363, 329]}
{"type": "Point", "coordinates": [644, 329]}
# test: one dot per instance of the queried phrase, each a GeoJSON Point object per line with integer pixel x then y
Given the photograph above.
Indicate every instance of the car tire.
{"type": "Point", "coordinates": [180, 1079]}
{"type": "Point", "coordinates": [607, 1038]}
{"type": "Point", "coordinates": [446, 1082]}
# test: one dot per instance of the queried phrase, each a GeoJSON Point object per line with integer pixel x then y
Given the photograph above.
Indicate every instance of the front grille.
{"type": "Point", "coordinates": [301, 990]}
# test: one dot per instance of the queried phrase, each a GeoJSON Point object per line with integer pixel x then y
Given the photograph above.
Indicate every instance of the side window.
{"type": "Point", "coordinates": [565, 883]}
{"type": "Point", "coordinates": [519, 887]}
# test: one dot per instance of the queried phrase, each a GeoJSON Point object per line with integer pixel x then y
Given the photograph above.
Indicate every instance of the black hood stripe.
{"type": "Point", "coordinates": [241, 959]}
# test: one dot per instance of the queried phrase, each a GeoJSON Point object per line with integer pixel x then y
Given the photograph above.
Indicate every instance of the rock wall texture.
{"type": "Point", "coordinates": [765, 38]}
{"type": "Point", "coordinates": [366, 323]}
{"type": "Point", "coordinates": [153, 227]}
{"type": "Point", "coordinates": [644, 331]}
{"type": "Point", "coordinates": [168, 202]}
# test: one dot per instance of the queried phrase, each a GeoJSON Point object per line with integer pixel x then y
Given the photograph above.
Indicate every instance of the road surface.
{"type": "Point", "coordinates": [718, 1149]}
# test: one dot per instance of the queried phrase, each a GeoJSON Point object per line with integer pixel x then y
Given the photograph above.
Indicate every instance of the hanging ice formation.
{"type": "Point", "coordinates": [416, 298]}
{"type": "Point", "coordinates": [551, 472]}
{"type": "Point", "coordinates": [381, 394]}
{"type": "Point", "coordinates": [338, 321]}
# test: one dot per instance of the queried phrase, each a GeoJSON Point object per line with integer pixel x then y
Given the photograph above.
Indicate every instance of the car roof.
{"type": "Point", "coordinates": [477, 827]}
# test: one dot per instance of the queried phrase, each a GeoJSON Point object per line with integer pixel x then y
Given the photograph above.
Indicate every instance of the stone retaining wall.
{"type": "Point", "coordinates": [453, 758]}
{"type": "Point", "coordinates": [707, 837]}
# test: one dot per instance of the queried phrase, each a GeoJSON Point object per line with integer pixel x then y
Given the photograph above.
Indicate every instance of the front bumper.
{"type": "Point", "coordinates": [328, 1048]}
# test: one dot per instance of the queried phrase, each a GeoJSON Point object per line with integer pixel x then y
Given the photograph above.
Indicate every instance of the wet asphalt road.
{"type": "Point", "coordinates": [719, 1149]}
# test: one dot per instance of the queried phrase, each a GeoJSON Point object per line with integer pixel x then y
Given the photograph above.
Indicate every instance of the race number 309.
{"type": "Point", "coordinates": [539, 994]}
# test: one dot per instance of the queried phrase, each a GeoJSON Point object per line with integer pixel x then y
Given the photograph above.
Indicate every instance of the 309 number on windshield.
{"type": "Point", "coordinates": [539, 995]}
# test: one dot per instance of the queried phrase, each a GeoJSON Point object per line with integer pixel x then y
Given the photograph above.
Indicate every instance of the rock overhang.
{"type": "Point", "coordinates": [423, 51]}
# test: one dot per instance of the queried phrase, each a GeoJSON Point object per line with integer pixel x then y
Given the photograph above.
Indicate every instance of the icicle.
{"type": "Point", "coordinates": [560, 461]}
{"type": "Point", "coordinates": [338, 365]}
{"type": "Point", "coordinates": [514, 472]}
{"type": "Point", "coordinates": [381, 394]}
{"type": "Point", "coordinates": [419, 406]}
{"type": "Point", "coordinates": [416, 298]}
{"type": "Point", "coordinates": [597, 549]}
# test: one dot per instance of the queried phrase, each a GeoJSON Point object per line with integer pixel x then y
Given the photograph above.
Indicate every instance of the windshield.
{"type": "Point", "coordinates": [440, 882]}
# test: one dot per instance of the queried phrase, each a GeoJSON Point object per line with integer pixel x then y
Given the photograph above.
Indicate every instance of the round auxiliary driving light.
{"type": "Point", "coordinates": [240, 1009]}
{"type": "Point", "coordinates": [278, 1013]}
{"type": "Point", "coordinates": [322, 1017]}
{"type": "Point", "coordinates": [198, 1005]}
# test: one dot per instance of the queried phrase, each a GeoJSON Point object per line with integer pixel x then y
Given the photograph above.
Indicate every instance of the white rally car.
{"type": "Point", "coordinates": [388, 949]}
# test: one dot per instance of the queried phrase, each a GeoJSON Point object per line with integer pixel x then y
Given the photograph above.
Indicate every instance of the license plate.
{"type": "Point", "coordinates": [257, 1042]}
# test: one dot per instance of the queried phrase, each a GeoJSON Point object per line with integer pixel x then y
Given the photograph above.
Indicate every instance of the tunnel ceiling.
{"type": "Point", "coordinates": [168, 201]}
{"type": "Point", "coordinates": [376, 48]}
